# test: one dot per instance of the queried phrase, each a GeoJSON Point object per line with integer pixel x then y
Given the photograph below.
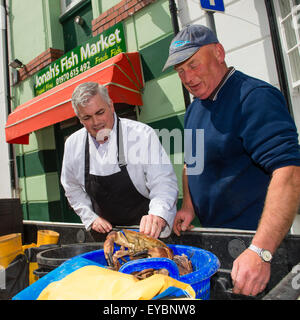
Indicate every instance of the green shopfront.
{"type": "Point", "coordinates": [107, 29]}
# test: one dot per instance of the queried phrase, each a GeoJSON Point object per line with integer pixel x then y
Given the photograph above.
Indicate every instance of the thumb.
{"type": "Point", "coordinates": [234, 271]}
{"type": "Point", "coordinates": [185, 224]}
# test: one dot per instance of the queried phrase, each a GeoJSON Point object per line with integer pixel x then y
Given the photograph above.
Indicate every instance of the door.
{"type": "Point", "coordinates": [62, 131]}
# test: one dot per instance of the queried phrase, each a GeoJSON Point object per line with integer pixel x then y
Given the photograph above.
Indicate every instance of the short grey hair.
{"type": "Point", "coordinates": [87, 90]}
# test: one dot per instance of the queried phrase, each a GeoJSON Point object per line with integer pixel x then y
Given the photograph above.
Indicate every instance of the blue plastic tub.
{"type": "Point", "coordinates": [205, 264]}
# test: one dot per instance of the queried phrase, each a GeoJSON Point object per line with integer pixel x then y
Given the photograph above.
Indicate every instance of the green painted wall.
{"type": "Point", "coordinates": [38, 177]}
{"type": "Point", "coordinates": [96, 7]}
{"type": "Point", "coordinates": [53, 28]}
{"type": "Point", "coordinates": [104, 5]}
{"type": "Point", "coordinates": [22, 92]}
{"type": "Point", "coordinates": [38, 20]}
{"type": "Point", "coordinates": [34, 27]}
{"type": "Point", "coordinates": [162, 98]}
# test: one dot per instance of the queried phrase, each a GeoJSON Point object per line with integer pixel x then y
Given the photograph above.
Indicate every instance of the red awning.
{"type": "Point", "coordinates": [121, 74]}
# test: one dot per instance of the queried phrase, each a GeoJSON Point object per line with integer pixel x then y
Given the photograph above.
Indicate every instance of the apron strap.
{"type": "Point", "coordinates": [86, 160]}
{"type": "Point", "coordinates": [120, 146]}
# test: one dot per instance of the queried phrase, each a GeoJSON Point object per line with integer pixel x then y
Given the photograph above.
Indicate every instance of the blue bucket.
{"type": "Point", "coordinates": [205, 264]}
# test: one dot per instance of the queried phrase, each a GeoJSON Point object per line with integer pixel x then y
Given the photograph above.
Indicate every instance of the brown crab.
{"type": "Point", "coordinates": [138, 246]}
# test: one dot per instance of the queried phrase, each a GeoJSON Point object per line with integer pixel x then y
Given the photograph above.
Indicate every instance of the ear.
{"type": "Point", "coordinates": [219, 53]}
{"type": "Point", "coordinates": [78, 115]}
{"type": "Point", "coordinates": [111, 106]}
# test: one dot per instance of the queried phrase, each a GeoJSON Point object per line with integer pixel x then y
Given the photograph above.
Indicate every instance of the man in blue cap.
{"type": "Point", "coordinates": [251, 171]}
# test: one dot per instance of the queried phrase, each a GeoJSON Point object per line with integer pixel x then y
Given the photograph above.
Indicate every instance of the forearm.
{"type": "Point", "coordinates": [187, 201]}
{"type": "Point", "coordinates": [83, 208]}
{"type": "Point", "coordinates": [186, 214]}
{"type": "Point", "coordinates": [281, 206]}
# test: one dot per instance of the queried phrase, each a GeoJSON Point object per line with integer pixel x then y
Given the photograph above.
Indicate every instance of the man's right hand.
{"type": "Point", "coordinates": [183, 220]}
{"type": "Point", "coordinates": [101, 225]}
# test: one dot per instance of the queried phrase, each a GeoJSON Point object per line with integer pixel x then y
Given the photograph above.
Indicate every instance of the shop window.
{"type": "Point", "coordinates": [67, 5]}
{"type": "Point", "coordinates": [76, 22]}
{"type": "Point", "coordinates": [289, 21]}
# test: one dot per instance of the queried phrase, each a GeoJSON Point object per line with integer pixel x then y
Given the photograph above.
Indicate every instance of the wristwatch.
{"type": "Point", "coordinates": [265, 255]}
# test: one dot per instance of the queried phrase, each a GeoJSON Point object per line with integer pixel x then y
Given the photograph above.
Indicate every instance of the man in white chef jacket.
{"type": "Point", "coordinates": [115, 171]}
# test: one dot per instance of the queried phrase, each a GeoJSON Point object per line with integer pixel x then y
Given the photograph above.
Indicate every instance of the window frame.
{"type": "Point", "coordinates": [296, 27]}
{"type": "Point", "coordinates": [66, 8]}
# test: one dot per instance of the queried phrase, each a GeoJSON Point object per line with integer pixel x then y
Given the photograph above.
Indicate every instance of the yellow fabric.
{"type": "Point", "coordinates": [96, 283]}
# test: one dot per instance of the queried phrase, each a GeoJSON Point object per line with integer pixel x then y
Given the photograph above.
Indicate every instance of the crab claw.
{"type": "Point", "coordinates": [141, 254]}
{"type": "Point", "coordinates": [109, 259]}
{"type": "Point", "coordinates": [108, 247]}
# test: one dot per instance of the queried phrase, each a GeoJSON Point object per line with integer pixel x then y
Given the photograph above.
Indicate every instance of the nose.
{"type": "Point", "coordinates": [95, 120]}
{"type": "Point", "coordinates": [187, 77]}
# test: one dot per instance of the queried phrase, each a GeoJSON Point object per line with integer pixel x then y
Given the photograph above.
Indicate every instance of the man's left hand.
{"type": "Point", "coordinates": [250, 274]}
{"type": "Point", "coordinates": [152, 225]}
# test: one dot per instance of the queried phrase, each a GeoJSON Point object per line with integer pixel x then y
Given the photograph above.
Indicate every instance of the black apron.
{"type": "Point", "coordinates": [115, 197]}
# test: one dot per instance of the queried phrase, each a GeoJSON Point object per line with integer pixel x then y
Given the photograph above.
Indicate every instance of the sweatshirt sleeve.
{"type": "Point", "coordinates": [267, 130]}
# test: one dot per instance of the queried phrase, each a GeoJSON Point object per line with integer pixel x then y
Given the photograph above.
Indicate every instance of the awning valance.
{"type": "Point", "coordinates": [121, 74]}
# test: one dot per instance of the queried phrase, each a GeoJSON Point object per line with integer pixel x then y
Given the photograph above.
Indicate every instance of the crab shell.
{"type": "Point", "coordinates": [135, 242]}
{"type": "Point", "coordinates": [138, 241]}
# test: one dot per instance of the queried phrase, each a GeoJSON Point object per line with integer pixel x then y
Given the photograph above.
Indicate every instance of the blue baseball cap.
{"type": "Point", "coordinates": [187, 42]}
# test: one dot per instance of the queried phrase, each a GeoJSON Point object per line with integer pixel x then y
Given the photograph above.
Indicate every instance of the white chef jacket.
{"type": "Point", "coordinates": [148, 166]}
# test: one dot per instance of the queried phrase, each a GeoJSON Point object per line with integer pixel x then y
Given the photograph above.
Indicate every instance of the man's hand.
{"type": "Point", "coordinates": [101, 225]}
{"type": "Point", "coordinates": [250, 274]}
{"type": "Point", "coordinates": [183, 220]}
{"type": "Point", "coordinates": [152, 225]}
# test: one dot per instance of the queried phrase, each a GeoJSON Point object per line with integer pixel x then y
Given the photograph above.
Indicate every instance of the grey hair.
{"type": "Point", "coordinates": [87, 90]}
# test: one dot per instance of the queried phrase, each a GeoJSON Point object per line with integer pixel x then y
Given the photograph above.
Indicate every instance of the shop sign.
{"type": "Point", "coordinates": [212, 5]}
{"type": "Point", "coordinates": [96, 50]}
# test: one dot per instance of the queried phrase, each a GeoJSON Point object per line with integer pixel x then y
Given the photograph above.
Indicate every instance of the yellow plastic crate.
{"type": "Point", "coordinates": [10, 247]}
{"type": "Point", "coordinates": [47, 237]}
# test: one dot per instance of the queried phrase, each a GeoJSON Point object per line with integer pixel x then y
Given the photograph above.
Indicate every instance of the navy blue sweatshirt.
{"type": "Point", "coordinates": [248, 133]}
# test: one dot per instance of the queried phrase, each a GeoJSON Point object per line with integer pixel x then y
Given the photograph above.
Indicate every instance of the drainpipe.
{"type": "Point", "coordinates": [5, 94]}
{"type": "Point", "coordinates": [173, 12]}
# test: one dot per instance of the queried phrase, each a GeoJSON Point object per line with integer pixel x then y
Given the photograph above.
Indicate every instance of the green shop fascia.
{"type": "Point", "coordinates": [94, 51]}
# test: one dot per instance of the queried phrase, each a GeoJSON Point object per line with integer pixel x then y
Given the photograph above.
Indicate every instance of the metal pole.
{"type": "Point", "coordinates": [210, 21]}
{"type": "Point", "coordinates": [173, 11]}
